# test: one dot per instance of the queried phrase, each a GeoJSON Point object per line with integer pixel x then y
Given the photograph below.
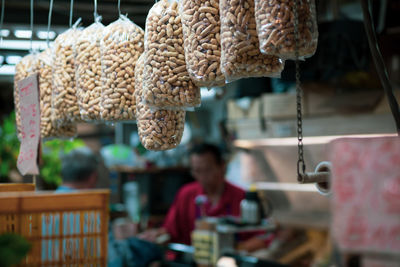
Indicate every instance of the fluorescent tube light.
{"type": "Point", "coordinates": [43, 35]}
{"type": "Point", "coordinates": [207, 93]}
{"type": "Point", "coordinates": [7, 70]}
{"type": "Point", "coordinates": [23, 45]}
{"type": "Point", "coordinates": [5, 33]}
{"type": "Point", "coordinates": [23, 34]}
{"type": "Point", "coordinates": [12, 60]}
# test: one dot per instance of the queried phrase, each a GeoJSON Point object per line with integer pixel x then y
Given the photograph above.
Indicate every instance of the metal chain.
{"type": "Point", "coordinates": [301, 166]}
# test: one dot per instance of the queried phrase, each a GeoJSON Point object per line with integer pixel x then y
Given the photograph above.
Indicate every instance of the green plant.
{"type": "Point", "coordinates": [13, 248]}
{"type": "Point", "coordinates": [9, 147]}
{"type": "Point", "coordinates": [52, 152]}
{"type": "Point", "coordinates": [50, 169]}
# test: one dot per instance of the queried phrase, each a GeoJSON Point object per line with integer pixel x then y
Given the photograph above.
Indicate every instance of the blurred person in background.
{"type": "Point", "coordinates": [209, 196]}
{"type": "Point", "coordinates": [79, 170]}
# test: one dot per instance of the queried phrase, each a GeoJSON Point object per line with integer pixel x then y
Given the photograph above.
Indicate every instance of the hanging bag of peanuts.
{"type": "Point", "coordinates": [166, 81]}
{"type": "Point", "coordinates": [88, 71]}
{"type": "Point", "coordinates": [47, 126]}
{"type": "Point", "coordinates": [64, 102]}
{"type": "Point", "coordinates": [202, 42]}
{"type": "Point", "coordinates": [158, 129]}
{"type": "Point", "coordinates": [121, 46]}
{"type": "Point", "coordinates": [276, 27]}
{"type": "Point", "coordinates": [26, 67]}
{"type": "Point", "coordinates": [240, 53]}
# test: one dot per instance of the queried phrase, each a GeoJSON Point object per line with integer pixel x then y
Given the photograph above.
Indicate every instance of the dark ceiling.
{"type": "Point", "coordinates": [18, 12]}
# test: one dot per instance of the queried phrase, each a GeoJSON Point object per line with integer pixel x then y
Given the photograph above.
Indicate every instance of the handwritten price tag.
{"type": "Point", "coordinates": [30, 130]}
{"type": "Point", "coordinates": [366, 194]}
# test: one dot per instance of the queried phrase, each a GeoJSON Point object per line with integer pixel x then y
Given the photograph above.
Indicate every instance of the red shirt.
{"type": "Point", "coordinates": [182, 214]}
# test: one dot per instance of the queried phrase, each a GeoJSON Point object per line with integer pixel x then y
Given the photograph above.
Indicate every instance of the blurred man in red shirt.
{"type": "Point", "coordinates": [214, 196]}
{"type": "Point", "coordinates": [210, 196]}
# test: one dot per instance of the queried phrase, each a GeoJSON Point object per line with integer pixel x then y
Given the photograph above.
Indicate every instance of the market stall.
{"type": "Point", "coordinates": [227, 133]}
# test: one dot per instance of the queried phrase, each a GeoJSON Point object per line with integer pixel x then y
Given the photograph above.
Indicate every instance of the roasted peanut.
{"type": "Point", "coordinates": [158, 129]}
{"type": "Point", "coordinates": [47, 126]}
{"type": "Point", "coordinates": [121, 46]}
{"type": "Point", "coordinates": [202, 42]}
{"type": "Point", "coordinates": [88, 72]}
{"type": "Point", "coordinates": [240, 54]}
{"type": "Point", "coordinates": [26, 67]}
{"type": "Point", "coordinates": [275, 26]}
{"type": "Point", "coordinates": [166, 81]}
{"type": "Point", "coordinates": [65, 103]}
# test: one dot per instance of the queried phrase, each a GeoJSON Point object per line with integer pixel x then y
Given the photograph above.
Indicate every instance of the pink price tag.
{"type": "Point", "coordinates": [30, 130]}
{"type": "Point", "coordinates": [366, 194]}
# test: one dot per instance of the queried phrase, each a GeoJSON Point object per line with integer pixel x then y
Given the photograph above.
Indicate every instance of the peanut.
{"type": "Point", "coordinates": [47, 127]}
{"type": "Point", "coordinates": [26, 67]}
{"type": "Point", "coordinates": [158, 129]}
{"type": "Point", "coordinates": [164, 87]}
{"type": "Point", "coordinates": [65, 103]}
{"type": "Point", "coordinates": [88, 72]}
{"type": "Point", "coordinates": [121, 46]}
{"type": "Point", "coordinates": [240, 54]}
{"type": "Point", "coordinates": [202, 42]}
{"type": "Point", "coordinates": [275, 26]}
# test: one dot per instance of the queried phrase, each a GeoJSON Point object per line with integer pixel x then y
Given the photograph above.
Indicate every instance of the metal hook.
{"type": "Point", "coordinates": [321, 177]}
{"type": "Point", "coordinates": [49, 22]}
{"type": "Point", "coordinates": [119, 7]}
{"type": "Point", "coordinates": [71, 11]}
{"type": "Point", "coordinates": [2, 20]}
{"type": "Point", "coordinates": [95, 10]}
{"type": "Point", "coordinates": [31, 41]}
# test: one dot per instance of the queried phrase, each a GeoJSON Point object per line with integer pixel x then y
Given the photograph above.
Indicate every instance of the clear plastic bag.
{"type": "Point", "coordinates": [275, 26]}
{"type": "Point", "coordinates": [202, 42]}
{"type": "Point", "coordinates": [240, 53]}
{"type": "Point", "coordinates": [121, 45]}
{"type": "Point", "coordinates": [64, 102]}
{"type": "Point", "coordinates": [47, 127]}
{"type": "Point", "coordinates": [166, 81]}
{"type": "Point", "coordinates": [88, 71]}
{"type": "Point", "coordinates": [26, 67]}
{"type": "Point", "coordinates": [158, 129]}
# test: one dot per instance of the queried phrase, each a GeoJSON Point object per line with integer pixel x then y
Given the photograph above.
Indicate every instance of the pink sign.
{"type": "Point", "coordinates": [30, 130]}
{"type": "Point", "coordinates": [366, 194]}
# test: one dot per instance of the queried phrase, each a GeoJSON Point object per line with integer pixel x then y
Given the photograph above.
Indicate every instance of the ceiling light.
{"type": "Point", "coordinates": [23, 45]}
{"type": "Point", "coordinates": [12, 60]}
{"type": "Point", "coordinates": [5, 33]}
{"type": "Point", "coordinates": [1, 59]}
{"type": "Point", "coordinates": [7, 70]}
{"type": "Point", "coordinates": [207, 93]}
{"type": "Point", "coordinates": [23, 34]}
{"type": "Point", "coordinates": [43, 34]}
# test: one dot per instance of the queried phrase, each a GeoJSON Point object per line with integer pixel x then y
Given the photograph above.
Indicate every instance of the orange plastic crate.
{"type": "Point", "coordinates": [10, 187]}
{"type": "Point", "coordinates": [66, 229]}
